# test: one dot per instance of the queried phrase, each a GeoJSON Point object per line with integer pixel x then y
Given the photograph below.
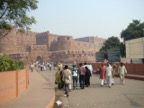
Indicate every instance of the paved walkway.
{"type": "Point", "coordinates": [40, 94]}
{"type": "Point", "coordinates": [130, 95]}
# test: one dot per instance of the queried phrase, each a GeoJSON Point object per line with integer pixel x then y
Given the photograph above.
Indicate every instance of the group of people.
{"type": "Point", "coordinates": [108, 71]}
{"type": "Point", "coordinates": [68, 78]}
{"type": "Point", "coordinates": [43, 66]}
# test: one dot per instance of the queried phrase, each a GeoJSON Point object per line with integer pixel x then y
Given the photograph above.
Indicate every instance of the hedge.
{"type": "Point", "coordinates": [9, 64]}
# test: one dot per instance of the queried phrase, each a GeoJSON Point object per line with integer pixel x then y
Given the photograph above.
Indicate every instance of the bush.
{"type": "Point", "coordinates": [9, 64]}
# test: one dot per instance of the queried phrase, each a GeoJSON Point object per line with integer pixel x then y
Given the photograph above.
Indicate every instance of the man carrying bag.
{"type": "Point", "coordinates": [67, 79]}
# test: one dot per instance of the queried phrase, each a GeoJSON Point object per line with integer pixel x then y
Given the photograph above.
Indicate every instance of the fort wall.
{"type": "Point", "coordinates": [68, 43]}
{"type": "Point", "coordinates": [42, 38]}
{"type": "Point", "coordinates": [37, 51]}
{"type": "Point", "coordinates": [63, 43]}
{"type": "Point", "coordinates": [52, 38]}
{"type": "Point", "coordinates": [30, 46]}
{"type": "Point", "coordinates": [17, 42]}
{"type": "Point", "coordinates": [8, 44]}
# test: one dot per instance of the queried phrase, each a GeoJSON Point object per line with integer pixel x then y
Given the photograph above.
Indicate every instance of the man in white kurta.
{"type": "Point", "coordinates": [122, 72]}
{"type": "Point", "coordinates": [109, 74]}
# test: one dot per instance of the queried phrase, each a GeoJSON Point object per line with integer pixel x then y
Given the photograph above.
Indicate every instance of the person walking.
{"type": "Point", "coordinates": [82, 72]}
{"type": "Point", "coordinates": [109, 74]}
{"type": "Point", "coordinates": [122, 72]}
{"type": "Point", "coordinates": [32, 67]}
{"type": "Point", "coordinates": [41, 67]}
{"type": "Point", "coordinates": [75, 76]}
{"type": "Point", "coordinates": [114, 69]}
{"type": "Point", "coordinates": [102, 70]}
{"type": "Point", "coordinates": [58, 76]}
{"type": "Point", "coordinates": [87, 76]}
{"type": "Point", "coordinates": [67, 79]}
{"type": "Point", "coordinates": [70, 78]}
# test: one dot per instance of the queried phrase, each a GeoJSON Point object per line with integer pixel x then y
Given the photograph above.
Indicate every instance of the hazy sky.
{"type": "Point", "coordinates": [80, 18]}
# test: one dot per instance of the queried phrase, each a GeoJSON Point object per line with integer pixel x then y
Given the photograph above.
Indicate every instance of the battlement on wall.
{"type": "Point", "coordinates": [65, 38]}
{"type": "Point", "coordinates": [29, 33]}
{"type": "Point", "coordinates": [38, 47]}
{"type": "Point", "coordinates": [69, 52]}
{"type": "Point", "coordinates": [69, 56]}
{"type": "Point", "coordinates": [46, 33]}
{"type": "Point", "coordinates": [17, 32]}
{"type": "Point", "coordinates": [91, 39]}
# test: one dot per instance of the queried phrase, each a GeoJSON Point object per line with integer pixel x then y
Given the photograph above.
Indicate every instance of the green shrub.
{"type": "Point", "coordinates": [9, 64]}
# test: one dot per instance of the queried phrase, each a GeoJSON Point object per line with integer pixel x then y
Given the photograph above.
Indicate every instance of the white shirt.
{"type": "Point", "coordinates": [109, 70]}
{"type": "Point", "coordinates": [122, 70]}
{"type": "Point", "coordinates": [75, 73]}
{"type": "Point", "coordinates": [32, 66]}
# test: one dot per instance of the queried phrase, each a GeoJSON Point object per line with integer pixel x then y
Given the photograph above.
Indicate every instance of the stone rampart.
{"type": "Point", "coordinates": [29, 46]}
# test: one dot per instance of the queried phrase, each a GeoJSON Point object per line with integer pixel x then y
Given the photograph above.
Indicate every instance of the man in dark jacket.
{"type": "Point", "coordinates": [87, 76]}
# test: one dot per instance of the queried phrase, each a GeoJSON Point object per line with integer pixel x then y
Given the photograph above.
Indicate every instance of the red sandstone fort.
{"type": "Point", "coordinates": [31, 46]}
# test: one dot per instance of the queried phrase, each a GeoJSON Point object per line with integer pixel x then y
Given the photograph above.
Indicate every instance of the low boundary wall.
{"type": "Point", "coordinates": [137, 69]}
{"type": "Point", "coordinates": [12, 84]}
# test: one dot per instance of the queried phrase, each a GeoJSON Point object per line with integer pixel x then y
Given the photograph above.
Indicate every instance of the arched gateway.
{"type": "Point", "coordinates": [39, 59]}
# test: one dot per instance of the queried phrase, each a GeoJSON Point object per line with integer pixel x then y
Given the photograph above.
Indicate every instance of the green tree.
{"type": "Point", "coordinates": [133, 31]}
{"type": "Point", "coordinates": [111, 43]}
{"type": "Point", "coordinates": [13, 13]}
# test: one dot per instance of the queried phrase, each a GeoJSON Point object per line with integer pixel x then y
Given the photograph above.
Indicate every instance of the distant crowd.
{"type": "Point", "coordinates": [43, 66]}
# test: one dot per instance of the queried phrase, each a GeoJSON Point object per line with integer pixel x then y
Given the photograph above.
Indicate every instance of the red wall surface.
{"type": "Point", "coordinates": [137, 69]}
{"type": "Point", "coordinates": [12, 84]}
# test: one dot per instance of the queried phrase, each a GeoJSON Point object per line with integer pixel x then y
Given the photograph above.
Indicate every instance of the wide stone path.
{"type": "Point", "coordinates": [130, 95]}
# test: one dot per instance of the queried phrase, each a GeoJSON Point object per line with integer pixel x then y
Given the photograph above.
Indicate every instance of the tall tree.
{"type": "Point", "coordinates": [13, 13]}
{"type": "Point", "coordinates": [133, 31]}
{"type": "Point", "coordinates": [111, 43]}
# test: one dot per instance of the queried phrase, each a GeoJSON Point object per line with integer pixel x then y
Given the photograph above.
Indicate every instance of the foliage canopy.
{"type": "Point", "coordinates": [133, 31]}
{"type": "Point", "coordinates": [9, 64]}
{"type": "Point", "coordinates": [13, 13]}
{"type": "Point", "coordinates": [111, 43]}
